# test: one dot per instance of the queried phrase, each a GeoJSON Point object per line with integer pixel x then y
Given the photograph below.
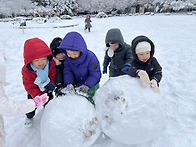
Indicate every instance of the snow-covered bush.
{"type": "Point", "coordinates": [65, 17]}
{"type": "Point", "coordinates": [63, 6]}
{"type": "Point", "coordinates": [129, 113]}
{"type": "Point", "coordinates": [39, 20]}
{"type": "Point", "coordinates": [54, 20]}
{"type": "Point", "coordinates": [101, 15]}
{"type": "Point", "coordinates": [73, 7]}
{"type": "Point", "coordinates": [69, 121]}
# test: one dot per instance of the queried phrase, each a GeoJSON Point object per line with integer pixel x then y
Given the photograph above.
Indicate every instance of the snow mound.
{"type": "Point", "coordinates": [129, 112]}
{"type": "Point", "coordinates": [71, 121]}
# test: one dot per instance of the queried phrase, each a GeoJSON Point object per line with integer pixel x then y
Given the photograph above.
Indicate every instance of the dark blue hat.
{"type": "Point", "coordinates": [54, 46]}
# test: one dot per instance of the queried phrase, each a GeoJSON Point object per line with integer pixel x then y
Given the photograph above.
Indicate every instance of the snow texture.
{"type": "Point", "coordinates": [127, 116]}
{"type": "Point", "coordinates": [175, 41]}
{"type": "Point", "coordinates": [69, 120]}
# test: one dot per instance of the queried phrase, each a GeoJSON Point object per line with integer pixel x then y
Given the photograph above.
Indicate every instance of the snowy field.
{"type": "Point", "coordinates": [174, 37]}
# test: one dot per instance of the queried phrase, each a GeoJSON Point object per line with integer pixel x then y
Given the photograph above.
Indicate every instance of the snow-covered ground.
{"type": "Point", "coordinates": [175, 48]}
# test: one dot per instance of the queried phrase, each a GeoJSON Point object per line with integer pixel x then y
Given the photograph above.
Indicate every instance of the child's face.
{"type": "Point", "coordinates": [144, 57]}
{"type": "Point", "coordinates": [60, 56]}
{"type": "Point", "coordinates": [114, 46]}
{"type": "Point", "coordinates": [73, 54]}
{"type": "Point", "coordinates": [40, 63]}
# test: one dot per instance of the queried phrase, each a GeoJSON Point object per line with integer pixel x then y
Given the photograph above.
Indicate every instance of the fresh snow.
{"type": "Point", "coordinates": [175, 40]}
{"type": "Point", "coordinates": [127, 116]}
{"type": "Point", "coordinates": [69, 120]}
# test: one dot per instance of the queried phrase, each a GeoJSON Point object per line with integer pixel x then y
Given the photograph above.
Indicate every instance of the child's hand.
{"type": "Point", "coordinates": [40, 100]}
{"type": "Point", "coordinates": [104, 69]}
{"type": "Point", "coordinates": [58, 91]}
{"type": "Point", "coordinates": [154, 86]}
{"type": "Point", "coordinates": [144, 77]}
{"type": "Point", "coordinates": [50, 87]}
{"type": "Point", "coordinates": [69, 89]}
{"type": "Point", "coordinates": [126, 68]}
{"type": "Point", "coordinates": [82, 90]}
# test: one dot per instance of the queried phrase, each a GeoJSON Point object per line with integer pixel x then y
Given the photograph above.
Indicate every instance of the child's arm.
{"type": "Point", "coordinates": [142, 74]}
{"type": "Point", "coordinates": [28, 82]}
{"type": "Point", "coordinates": [59, 74]}
{"type": "Point", "coordinates": [133, 70]}
{"type": "Point", "coordinates": [157, 72]}
{"type": "Point", "coordinates": [11, 108]}
{"type": "Point", "coordinates": [59, 80]}
{"type": "Point", "coordinates": [128, 55]}
{"type": "Point", "coordinates": [144, 77]}
{"type": "Point", "coordinates": [94, 72]}
{"type": "Point", "coordinates": [52, 71]}
{"type": "Point", "coordinates": [106, 62]}
{"type": "Point", "coordinates": [107, 59]}
{"type": "Point", "coordinates": [68, 74]}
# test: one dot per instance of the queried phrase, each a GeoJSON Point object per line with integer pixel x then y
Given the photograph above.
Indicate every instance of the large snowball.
{"type": "Point", "coordinates": [69, 121]}
{"type": "Point", "coordinates": [129, 113]}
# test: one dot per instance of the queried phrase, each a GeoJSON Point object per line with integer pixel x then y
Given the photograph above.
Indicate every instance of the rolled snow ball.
{"type": "Point", "coordinates": [129, 113]}
{"type": "Point", "coordinates": [70, 121]}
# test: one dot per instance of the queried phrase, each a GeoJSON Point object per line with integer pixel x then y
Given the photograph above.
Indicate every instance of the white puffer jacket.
{"type": "Point", "coordinates": [9, 107]}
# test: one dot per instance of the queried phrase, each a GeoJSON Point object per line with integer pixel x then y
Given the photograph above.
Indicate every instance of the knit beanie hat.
{"type": "Point", "coordinates": [54, 46]}
{"type": "Point", "coordinates": [143, 46]}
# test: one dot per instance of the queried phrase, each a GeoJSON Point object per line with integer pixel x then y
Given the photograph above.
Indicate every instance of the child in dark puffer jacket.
{"type": "Point", "coordinates": [117, 56]}
{"type": "Point", "coordinates": [144, 64]}
{"type": "Point", "coordinates": [59, 58]}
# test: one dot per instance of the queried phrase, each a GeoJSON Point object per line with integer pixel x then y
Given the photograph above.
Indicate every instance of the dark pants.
{"type": "Point", "coordinates": [89, 29]}
{"type": "Point", "coordinates": [31, 114]}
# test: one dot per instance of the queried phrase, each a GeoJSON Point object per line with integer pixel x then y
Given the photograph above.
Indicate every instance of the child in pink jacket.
{"type": "Point", "coordinates": [12, 108]}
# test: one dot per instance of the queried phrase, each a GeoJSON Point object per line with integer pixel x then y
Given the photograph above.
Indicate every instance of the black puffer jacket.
{"type": "Point", "coordinates": [122, 55]}
{"type": "Point", "coordinates": [152, 66]}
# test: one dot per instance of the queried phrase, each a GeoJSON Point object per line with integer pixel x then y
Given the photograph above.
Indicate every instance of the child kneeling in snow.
{"type": "Point", "coordinates": [12, 108]}
{"type": "Point", "coordinates": [81, 66]}
{"type": "Point", "coordinates": [39, 71]}
{"type": "Point", "coordinates": [144, 65]}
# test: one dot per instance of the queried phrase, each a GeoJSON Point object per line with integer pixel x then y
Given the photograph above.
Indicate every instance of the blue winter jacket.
{"type": "Point", "coordinates": [83, 70]}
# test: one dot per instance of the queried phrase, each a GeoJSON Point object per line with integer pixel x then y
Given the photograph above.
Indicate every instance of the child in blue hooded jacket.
{"type": "Point", "coordinates": [81, 66]}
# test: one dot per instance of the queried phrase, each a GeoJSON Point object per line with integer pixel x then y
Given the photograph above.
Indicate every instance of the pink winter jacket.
{"type": "Point", "coordinates": [7, 106]}
{"type": "Point", "coordinates": [12, 108]}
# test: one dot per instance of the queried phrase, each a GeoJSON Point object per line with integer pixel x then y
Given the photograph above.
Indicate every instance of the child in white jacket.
{"type": "Point", "coordinates": [12, 108]}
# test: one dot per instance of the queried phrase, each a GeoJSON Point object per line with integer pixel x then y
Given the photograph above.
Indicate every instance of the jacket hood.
{"type": "Point", "coordinates": [35, 48]}
{"type": "Point", "coordinates": [73, 41]}
{"type": "Point", "coordinates": [115, 36]}
{"type": "Point", "coordinates": [138, 39]}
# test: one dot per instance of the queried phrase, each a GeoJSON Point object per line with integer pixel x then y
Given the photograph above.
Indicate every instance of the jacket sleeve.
{"type": "Point", "coordinates": [28, 78]}
{"type": "Point", "coordinates": [52, 71]}
{"type": "Point", "coordinates": [68, 74]}
{"type": "Point", "coordinates": [94, 73]}
{"type": "Point", "coordinates": [133, 70]}
{"type": "Point", "coordinates": [157, 72]}
{"type": "Point", "coordinates": [59, 74]}
{"type": "Point", "coordinates": [11, 108]}
{"type": "Point", "coordinates": [107, 59]}
{"type": "Point", "coordinates": [128, 54]}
